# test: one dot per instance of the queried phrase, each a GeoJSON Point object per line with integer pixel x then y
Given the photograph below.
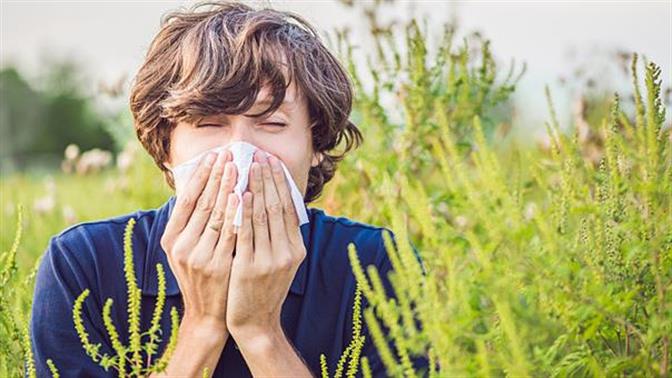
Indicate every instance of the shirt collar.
{"type": "Point", "coordinates": [156, 254]}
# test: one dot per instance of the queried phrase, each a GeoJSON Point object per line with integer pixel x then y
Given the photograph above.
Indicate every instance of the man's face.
{"type": "Point", "coordinates": [285, 133]}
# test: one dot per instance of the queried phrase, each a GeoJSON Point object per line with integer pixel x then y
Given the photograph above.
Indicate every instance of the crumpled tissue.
{"type": "Point", "coordinates": [243, 154]}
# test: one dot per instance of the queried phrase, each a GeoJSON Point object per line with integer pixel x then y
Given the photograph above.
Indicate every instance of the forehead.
{"type": "Point", "coordinates": [292, 96]}
{"type": "Point", "coordinates": [292, 93]}
{"type": "Point", "coordinates": [293, 101]}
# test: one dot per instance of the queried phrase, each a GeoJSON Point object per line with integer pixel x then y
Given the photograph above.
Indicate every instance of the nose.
{"type": "Point", "coordinates": [242, 130]}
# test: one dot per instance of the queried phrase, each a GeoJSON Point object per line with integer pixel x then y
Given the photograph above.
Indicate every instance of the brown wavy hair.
{"type": "Point", "coordinates": [214, 58]}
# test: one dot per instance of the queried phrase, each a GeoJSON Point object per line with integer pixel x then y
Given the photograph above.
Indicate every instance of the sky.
{"type": "Point", "coordinates": [554, 38]}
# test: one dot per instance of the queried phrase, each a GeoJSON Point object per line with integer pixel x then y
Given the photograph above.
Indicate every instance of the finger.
{"type": "Point", "coordinates": [206, 202]}
{"type": "Point", "coordinates": [244, 239]}
{"type": "Point", "coordinates": [214, 225]}
{"type": "Point", "coordinates": [262, 243]}
{"type": "Point", "coordinates": [289, 211]}
{"type": "Point", "coordinates": [229, 181]}
{"type": "Point", "coordinates": [274, 210]}
{"type": "Point", "coordinates": [227, 240]}
{"type": "Point", "coordinates": [186, 201]}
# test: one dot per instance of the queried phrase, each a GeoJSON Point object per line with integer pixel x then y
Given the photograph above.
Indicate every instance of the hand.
{"type": "Point", "coordinates": [269, 249]}
{"type": "Point", "coordinates": [199, 240]}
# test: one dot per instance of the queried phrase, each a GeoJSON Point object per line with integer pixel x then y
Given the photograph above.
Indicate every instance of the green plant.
{"type": "Point", "coordinates": [554, 267]}
{"type": "Point", "coordinates": [354, 348]}
{"type": "Point", "coordinates": [402, 95]}
{"type": "Point", "coordinates": [15, 343]}
{"type": "Point", "coordinates": [121, 360]}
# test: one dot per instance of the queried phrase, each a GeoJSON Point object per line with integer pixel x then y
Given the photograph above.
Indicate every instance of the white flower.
{"type": "Point", "coordinates": [71, 152]}
{"type": "Point", "coordinates": [530, 210]}
{"type": "Point", "coordinates": [69, 214]}
{"type": "Point", "coordinates": [45, 204]}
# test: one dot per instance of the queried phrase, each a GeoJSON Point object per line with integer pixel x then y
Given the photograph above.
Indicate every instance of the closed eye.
{"type": "Point", "coordinates": [267, 123]}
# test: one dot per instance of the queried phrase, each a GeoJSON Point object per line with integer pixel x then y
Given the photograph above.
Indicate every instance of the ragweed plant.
{"type": "Point", "coordinates": [15, 342]}
{"type": "Point", "coordinates": [130, 356]}
{"type": "Point", "coordinates": [354, 348]}
{"type": "Point", "coordinates": [546, 266]}
{"type": "Point", "coordinates": [398, 109]}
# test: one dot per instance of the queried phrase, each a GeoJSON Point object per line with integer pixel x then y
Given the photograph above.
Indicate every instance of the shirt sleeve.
{"type": "Point", "coordinates": [59, 281]}
{"type": "Point", "coordinates": [420, 363]}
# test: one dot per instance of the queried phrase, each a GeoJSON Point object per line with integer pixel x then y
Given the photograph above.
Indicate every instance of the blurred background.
{"type": "Point", "coordinates": [66, 66]}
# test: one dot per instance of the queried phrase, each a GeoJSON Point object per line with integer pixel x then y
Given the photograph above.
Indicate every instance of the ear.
{"type": "Point", "coordinates": [317, 159]}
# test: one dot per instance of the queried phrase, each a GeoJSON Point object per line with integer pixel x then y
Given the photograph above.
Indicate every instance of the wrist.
{"type": "Point", "coordinates": [259, 340]}
{"type": "Point", "coordinates": [205, 329]}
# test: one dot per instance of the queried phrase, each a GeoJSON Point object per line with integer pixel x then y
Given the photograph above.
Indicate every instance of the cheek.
{"type": "Point", "coordinates": [182, 146]}
{"type": "Point", "coordinates": [185, 144]}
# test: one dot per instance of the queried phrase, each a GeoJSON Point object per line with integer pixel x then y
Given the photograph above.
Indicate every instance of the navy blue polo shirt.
{"type": "Point", "coordinates": [316, 315]}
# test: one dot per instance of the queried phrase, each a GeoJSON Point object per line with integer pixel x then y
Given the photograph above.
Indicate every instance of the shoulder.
{"type": "Point", "coordinates": [101, 233]}
{"type": "Point", "coordinates": [335, 231]}
{"type": "Point", "coordinates": [333, 235]}
{"type": "Point", "coordinates": [92, 251]}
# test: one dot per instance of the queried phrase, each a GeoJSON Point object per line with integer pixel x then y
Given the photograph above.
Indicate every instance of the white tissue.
{"type": "Point", "coordinates": [243, 153]}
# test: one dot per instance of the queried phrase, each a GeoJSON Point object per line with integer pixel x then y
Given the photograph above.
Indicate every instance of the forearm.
{"type": "Point", "coordinates": [271, 354]}
{"type": "Point", "coordinates": [199, 345]}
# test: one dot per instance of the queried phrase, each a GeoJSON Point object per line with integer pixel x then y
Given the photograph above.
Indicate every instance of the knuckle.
{"type": "Point", "coordinates": [210, 272]}
{"type": "Point", "coordinates": [177, 246]}
{"type": "Point", "coordinates": [215, 175]}
{"type": "Point", "coordinates": [298, 259]}
{"type": "Point", "coordinates": [301, 254]}
{"type": "Point", "coordinates": [274, 208]}
{"type": "Point", "coordinates": [186, 201]}
{"type": "Point", "coordinates": [164, 242]}
{"type": "Point", "coordinates": [265, 270]}
{"type": "Point", "coordinates": [197, 265]}
{"type": "Point", "coordinates": [279, 175]}
{"type": "Point", "coordinates": [229, 236]}
{"type": "Point", "coordinates": [217, 214]}
{"type": "Point", "coordinates": [259, 218]}
{"type": "Point", "coordinates": [203, 173]}
{"type": "Point", "coordinates": [285, 263]}
{"type": "Point", "coordinates": [205, 206]}
{"type": "Point", "coordinates": [180, 258]}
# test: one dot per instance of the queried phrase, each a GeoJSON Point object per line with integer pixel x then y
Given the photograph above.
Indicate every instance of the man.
{"type": "Point", "coordinates": [266, 299]}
